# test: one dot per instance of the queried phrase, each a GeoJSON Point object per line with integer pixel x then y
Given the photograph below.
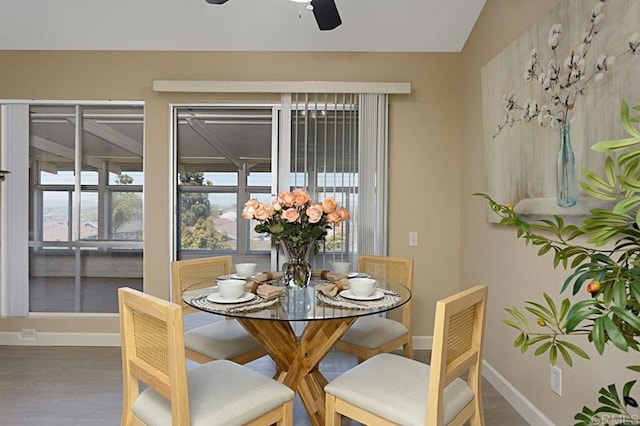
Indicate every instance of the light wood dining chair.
{"type": "Point", "coordinates": [391, 389]}
{"type": "Point", "coordinates": [224, 339]}
{"type": "Point", "coordinates": [372, 335]}
{"type": "Point", "coordinates": [217, 393]}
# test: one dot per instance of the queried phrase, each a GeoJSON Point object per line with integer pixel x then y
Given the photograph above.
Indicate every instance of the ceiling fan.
{"type": "Point", "coordinates": [325, 12]}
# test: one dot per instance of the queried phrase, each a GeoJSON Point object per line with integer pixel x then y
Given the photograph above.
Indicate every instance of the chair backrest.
{"type": "Point", "coordinates": [396, 270]}
{"type": "Point", "coordinates": [152, 335]}
{"type": "Point", "coordinates": [196, 273]}
{"type": "Point", "coordinates": [457, 348]}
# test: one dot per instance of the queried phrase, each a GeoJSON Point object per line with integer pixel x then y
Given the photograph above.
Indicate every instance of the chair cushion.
{"type": "Point", "coordinates": [372, 332]}
{"type": "Point", "coordinates": [220, 340]}
{"type": "Point", "coordinates": [220, 393]}
{"type": "Point", "coordinates": [395, 388]}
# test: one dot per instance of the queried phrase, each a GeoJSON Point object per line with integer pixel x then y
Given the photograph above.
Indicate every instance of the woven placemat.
{"type": "Point", "coordinates": [390, 298]}
{"type": "Point", "coordinates": [257, 304]}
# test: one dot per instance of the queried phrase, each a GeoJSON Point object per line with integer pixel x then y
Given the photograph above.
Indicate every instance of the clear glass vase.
{"type": "Point", "coordinates": [566, 191]}
{"type": "Point", "coordinates": [296, 271]}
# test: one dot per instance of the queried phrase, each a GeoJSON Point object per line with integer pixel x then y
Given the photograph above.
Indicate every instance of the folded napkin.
{"type": "Point", "coordinates": [268, 291]}
{"type": "Point", "coordinates": [327, 275]}
{"type": "Point", "coordinates": [332, 289]}
{"type": "Point", "coordinates": [263, 277]}
{"type": "Point", "coordinates": [251, 286]}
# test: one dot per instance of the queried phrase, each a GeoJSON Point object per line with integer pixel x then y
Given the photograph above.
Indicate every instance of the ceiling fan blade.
{"type": "Point", "coordinates": [216, 1]}
{"type": "Point", "coordinates": [326, 14]}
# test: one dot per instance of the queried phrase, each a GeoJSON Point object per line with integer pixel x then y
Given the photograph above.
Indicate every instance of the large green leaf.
{"type": "Point", "coordinates": [564, 309]}
{"type": "Point", "coordinates": [553, 355]}
{"type": "Point", "coordinates": [575, 349]}
{"type": "Point", "coordinates": [551, 304]}
{"type": "Point", "coordinates": [630, 183]}
{"type": "Point", "coordinates": [597, 335]}
{"type": "Point", "coordinates": [625, 205]}
{"type": "Point", "coordinates": [627, 388]}
{"type": "Point", "coordinates": [540, 314]}
{"type": "Point", "coordinates": [628, 156]}
{"type": "Point", "coordinates": [626, 121]}
{"type": "Point", "coordinates": [597, 194]}
{"type": "Point", "coordinates": [565, 355]}
{"type": "Point", "coordinates": [543, 348]}
{"type": "Point", "coordinates": [627, 317]}
{"type": "Point", "coordinates": [574, 320]}
{"type": "Point", "coordinates": [615, 335]}
{"type": "Point", "coordinates": [620, 293]}
{"type": "Point", "coordinates": [597, 181]}
{"type": "Point", "coordinates": [511, 324]}
{"type": "Point", "coordinates": [522, 321]}
{"type": "Point", "coordinates": [609, 171]}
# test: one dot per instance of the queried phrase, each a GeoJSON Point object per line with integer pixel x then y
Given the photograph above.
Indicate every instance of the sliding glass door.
{"type": "Point", "coordinates": [85, 205]}
{"type": "Point", "coordinates": [224, 157]}
{"type": "Point", "coordinates": [228, 154]}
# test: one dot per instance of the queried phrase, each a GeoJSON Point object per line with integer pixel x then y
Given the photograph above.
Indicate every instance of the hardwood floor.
{"type": "Point", "coordinates": [82, 386]}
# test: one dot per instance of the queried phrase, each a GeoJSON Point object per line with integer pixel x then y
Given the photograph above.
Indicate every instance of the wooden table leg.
{"type": "Point", "coordinates": [299, 359]}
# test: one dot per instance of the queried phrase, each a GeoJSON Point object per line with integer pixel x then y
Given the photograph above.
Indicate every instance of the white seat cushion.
{"type": "Point", "coordinates": [220, 393]}
{"type": "Point", "coordinates": [220, 340]}
{"type": "Point", "coordinates": [395, 388]}
{"type": "Point", "coordinates": [372, 332]}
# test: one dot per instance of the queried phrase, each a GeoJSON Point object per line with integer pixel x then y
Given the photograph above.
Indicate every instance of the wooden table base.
{"type": "Point", "coordinates": [298, 360]}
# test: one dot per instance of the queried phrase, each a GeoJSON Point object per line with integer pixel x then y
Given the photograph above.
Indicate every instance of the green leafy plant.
{"type": "Point", "coordinates": [605, 267]}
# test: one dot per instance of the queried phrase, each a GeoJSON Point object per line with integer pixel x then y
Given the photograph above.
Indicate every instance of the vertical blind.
{"type": "Point", "coordinates": [374, 166]}
{"type": "Point", "coordinates": [14, 294]}
{"type": "Point", "coordinates": [338, 145]}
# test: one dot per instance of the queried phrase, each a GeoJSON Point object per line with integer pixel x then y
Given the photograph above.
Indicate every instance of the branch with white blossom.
{"type": "Point", "coordinates": [562, 83]}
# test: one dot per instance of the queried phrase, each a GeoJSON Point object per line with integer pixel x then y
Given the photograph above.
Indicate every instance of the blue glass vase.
{"type": "Point", "coordinates": [566, 191]}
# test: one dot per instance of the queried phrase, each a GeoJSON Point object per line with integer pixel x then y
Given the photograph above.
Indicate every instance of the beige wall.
{"type": "Point", "coordinates": [436, 163]}
{"type": "Point", "coordinates": [492, 255]}
{"type": "Point", "coordinates": [424, 143]}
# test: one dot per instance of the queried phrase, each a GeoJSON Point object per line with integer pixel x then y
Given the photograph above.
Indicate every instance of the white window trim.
{"type": "Point", "coordinates": [212, 86]}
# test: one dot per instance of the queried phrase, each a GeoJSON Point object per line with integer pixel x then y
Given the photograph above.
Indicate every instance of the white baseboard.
{"type": "Point", "coordinates": [113, 339]}
{"type": "Point", "coordinates": [517, 400]}
{"type": "Point", "coordinates": [422, 343]}
{"type": "Point", "coordinates": [60, 339]}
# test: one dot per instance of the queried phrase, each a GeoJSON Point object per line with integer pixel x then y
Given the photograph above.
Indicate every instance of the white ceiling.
{"type": "Point", "coordinates": [244, 25]}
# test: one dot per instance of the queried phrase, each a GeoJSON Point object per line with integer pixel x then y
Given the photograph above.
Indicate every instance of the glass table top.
{"type": "Point", "coordinates": [300, 304]}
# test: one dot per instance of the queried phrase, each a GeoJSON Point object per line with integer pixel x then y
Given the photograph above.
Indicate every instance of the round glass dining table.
{"type": "Point", "coordinates": [326, 320]}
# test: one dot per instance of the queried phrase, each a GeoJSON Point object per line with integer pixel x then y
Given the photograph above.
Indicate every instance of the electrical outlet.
{"type": "Point", "coordinates": [413, 239]}
{"type": "Point", "coordinates": [28, 334]}
{"type": "Point", "coordinates": [556, 380]}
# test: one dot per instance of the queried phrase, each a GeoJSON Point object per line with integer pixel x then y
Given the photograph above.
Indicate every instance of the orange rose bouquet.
{"type": "Point", "coordinates": [295, 218]}
{"type": "Point", "coordinates": [295, 222]}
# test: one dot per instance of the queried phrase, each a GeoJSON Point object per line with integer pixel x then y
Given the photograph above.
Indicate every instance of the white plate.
{"type": "Point", "coordinates": [357, 275]}
{"type": "Point", "coordinates": [376, 295]}
{"type": "Point", "coordinates": [231, 277]}
{"type": "Point", "coordinates": [216, 298]}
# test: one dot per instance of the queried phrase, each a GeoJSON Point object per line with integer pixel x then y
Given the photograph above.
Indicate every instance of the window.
{"type": "Point", "coordinates": [312, 141]}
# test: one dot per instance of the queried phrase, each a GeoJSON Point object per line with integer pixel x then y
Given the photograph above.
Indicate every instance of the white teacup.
{"type": "Point", "coordinates": [362, 287]}
{"type": "Point", "coordinates": [246, 269]}
{"type": "Point", "coordinates": [340, 267]}
{"type": "Point", "coordinates": [231, 289]}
